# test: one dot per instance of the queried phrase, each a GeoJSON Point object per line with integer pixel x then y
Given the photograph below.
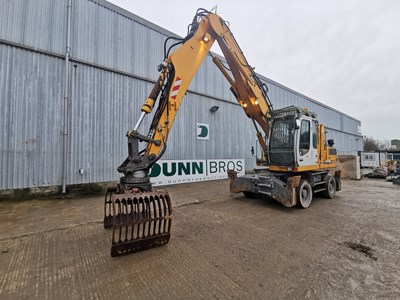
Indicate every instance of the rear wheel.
{"type": "Point", "coordinates": [330, 191]}
{"type": "Point", "coordinates": [304, 194]}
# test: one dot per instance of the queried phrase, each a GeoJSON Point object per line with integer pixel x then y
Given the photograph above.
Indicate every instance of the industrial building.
{"type": "Point", "coordinates": [73, 76]}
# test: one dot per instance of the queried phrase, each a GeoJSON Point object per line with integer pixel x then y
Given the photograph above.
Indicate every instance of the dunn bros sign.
{"type": "Point", "coordinates": [166, 172]}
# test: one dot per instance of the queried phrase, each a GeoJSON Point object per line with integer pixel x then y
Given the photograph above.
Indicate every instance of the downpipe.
{"type": "Point", "coordinates": [66, 101]}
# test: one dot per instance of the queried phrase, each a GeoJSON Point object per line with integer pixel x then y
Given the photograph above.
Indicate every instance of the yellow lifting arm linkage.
{"type": "Point", "coordinates": [179, 68]}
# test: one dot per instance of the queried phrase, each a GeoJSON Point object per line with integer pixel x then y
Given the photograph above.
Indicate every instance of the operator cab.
{"type": "Point", "coordinates": [293, 141]}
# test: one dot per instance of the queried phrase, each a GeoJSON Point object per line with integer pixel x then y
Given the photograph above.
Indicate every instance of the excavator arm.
{"type": "Point", "coordinates": [179, 68]}
{"type": "Point", "coordinates": [140, 216]}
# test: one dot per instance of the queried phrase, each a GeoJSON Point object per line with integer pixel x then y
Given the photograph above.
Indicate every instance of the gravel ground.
{"type": "Point", "coordinates": [222, 246]}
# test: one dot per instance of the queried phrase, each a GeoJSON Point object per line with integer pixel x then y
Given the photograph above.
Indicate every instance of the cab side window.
{"type": "Point", "coordinates": [304, 145]}
{"type": "Point", "coordinates": [314, 134]}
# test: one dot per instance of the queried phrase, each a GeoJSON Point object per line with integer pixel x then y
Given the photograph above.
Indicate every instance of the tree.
{"type": "Point", "coordinates": [370, 144]}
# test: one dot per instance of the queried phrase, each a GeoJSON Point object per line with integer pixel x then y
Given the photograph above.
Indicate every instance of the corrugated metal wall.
{"type": "Point", "coordinates": [114, 58]}
{"type": "Point", "coordinates": [40, 24]}
{"type": "Point", "coordinates": [30, 118]}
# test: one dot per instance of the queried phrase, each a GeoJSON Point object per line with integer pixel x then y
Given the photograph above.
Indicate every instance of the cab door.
{"type": "Point", "coordinates": [307, 152]}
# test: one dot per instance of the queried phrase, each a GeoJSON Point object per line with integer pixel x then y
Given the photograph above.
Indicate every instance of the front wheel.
{"type": "Point", "coordinates": [304, 194]}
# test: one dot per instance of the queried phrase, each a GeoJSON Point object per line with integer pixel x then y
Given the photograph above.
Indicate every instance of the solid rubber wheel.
{"type": "Point", "coordinates": [330, 191]}
{"type": "Point", "coordinates": [304, 194]}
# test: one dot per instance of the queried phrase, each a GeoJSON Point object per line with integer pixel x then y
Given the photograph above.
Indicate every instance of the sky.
{"type": "Point", "coordinates": [343, 53]}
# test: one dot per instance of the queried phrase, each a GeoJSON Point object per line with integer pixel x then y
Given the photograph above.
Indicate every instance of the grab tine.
{"type": "Point", "coordinates": [139, 212]}
{"type": "Point", "coordinates": [108, 214]}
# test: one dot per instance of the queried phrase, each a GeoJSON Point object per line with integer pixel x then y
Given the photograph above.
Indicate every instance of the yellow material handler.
{"type": "Point", "coordinates": [296, 159]}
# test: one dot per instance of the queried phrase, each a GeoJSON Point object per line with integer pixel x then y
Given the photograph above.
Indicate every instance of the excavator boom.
{"type": "Point", "coordinates": [179, 68]}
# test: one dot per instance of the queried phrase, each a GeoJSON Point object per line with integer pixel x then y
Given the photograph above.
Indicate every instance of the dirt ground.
{"type": "Point", "coordinates": [222, 246]}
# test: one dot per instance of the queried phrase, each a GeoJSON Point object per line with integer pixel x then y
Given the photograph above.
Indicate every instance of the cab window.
{"type": "Point", "coordinates": [314, 134]}
{"type": "Point", "coordinates": [304, 145]}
